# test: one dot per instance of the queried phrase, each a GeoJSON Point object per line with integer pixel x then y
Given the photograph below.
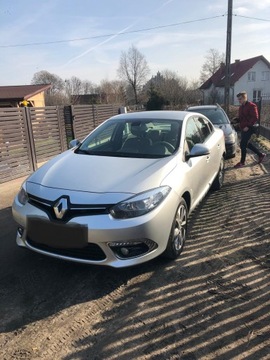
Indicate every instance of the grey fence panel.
{"type": "Point", "coordinates": [265, 116]}
{"type": "Point", "coordinates": [265, 110]}
{"type": "Point", "coordinates": [83, 120]}
{"type": "Point", "coordinates": [104, 112]}
{"type": "Point", "coordinates": [87, 117]}
{"type": "Point", "coordinates": [265, 131]}
{"type": "Point", "coordinates": [62, 127]}
{"type": "Point", "coordinates": [31, 136]}
{"type": "Point", "coordinates": [47, 132]}
{"type": "Point", "coordinates": [15, 152]}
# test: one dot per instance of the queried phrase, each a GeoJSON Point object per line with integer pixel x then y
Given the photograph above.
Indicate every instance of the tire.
{"type": "Point", "coordinates": [219, 179]}
{"type": "Point", "coordinates": [178, 232]}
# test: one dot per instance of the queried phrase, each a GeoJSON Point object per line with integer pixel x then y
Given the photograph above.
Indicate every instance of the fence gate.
{"type": "Point", "coordinates": [16, 158]}
{"type": "Point", "coordinates": [48, 132]}
{"type": "Point", "coordinates": [29, 137]}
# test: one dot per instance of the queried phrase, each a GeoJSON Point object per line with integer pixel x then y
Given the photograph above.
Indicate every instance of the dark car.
{"type": "Point", "coordinates": [219, 119]}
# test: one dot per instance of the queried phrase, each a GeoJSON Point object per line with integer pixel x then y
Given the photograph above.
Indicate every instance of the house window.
{"type": "Point", "coordinates": [265, 75]}
{"type": "Point", "coordinates": [251, 76]}
{"type": "Point", "coordinates": [257, 94]}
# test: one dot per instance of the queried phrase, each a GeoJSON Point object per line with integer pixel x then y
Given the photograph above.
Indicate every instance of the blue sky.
{"type": "Point", "coordinates": [202, 24]}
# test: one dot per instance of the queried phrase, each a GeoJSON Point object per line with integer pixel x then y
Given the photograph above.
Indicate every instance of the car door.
{"type": "Point", "coordinates": [197, 168]}
{"type": "Point", "coordinates": [213, 142]}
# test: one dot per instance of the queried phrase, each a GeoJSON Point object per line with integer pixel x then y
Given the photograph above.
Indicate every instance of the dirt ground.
{"type": "Point", "coordinates": [212, 303]}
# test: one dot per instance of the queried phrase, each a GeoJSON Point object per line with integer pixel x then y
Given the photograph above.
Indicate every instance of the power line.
{"type": "Point", "coordinates": [127, 32]}
{"type": "Point", "coordinates": [250, 17]}
{"type": "Point", "coordinates": [113, 34]}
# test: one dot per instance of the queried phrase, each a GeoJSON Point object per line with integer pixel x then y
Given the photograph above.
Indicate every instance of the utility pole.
{"type": "Point", "coordinates": [228, 57]}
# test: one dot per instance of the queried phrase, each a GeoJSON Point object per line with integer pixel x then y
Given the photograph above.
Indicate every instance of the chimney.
{"type": "Point", "coordinates": [237, 61]}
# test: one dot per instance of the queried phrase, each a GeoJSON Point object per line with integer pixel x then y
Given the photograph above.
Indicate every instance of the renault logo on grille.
{"type": "Point", "coordinates": [60, 208]}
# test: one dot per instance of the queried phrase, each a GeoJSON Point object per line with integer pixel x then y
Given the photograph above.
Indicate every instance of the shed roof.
{"type": "Point", "coordinates": [237, 70]}
{"type": "Point", "coordinates": [21, 92]}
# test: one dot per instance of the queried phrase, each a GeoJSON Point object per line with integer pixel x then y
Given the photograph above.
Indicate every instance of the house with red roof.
{"type": "Point", "coordinates": [23, 95]}
{"type": "Point", "coordinates": [251, 75]}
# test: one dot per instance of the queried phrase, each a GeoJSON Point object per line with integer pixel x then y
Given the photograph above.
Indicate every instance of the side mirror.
{"type": "Point", "coordinates": [198, 150]}
{"type": "Point", "coordinates": [74, 143]}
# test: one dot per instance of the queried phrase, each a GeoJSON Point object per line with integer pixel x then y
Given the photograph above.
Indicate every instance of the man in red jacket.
{"type": "Point", "coordinates": [248, 117]}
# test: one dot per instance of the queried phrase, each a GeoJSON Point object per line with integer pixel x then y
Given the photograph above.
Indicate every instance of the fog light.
{"type": "Point", "coordinates": [124, 251]}
{"type": "Point", "coordinates": [20, 231]}
{"type": "Point", "coordinates": [132, 249]}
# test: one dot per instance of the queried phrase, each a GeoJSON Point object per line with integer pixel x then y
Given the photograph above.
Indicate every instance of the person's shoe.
{"type": "Point", "coordinates": [261, 157]}
{"type": "Point", "coordinates": [239, 165]}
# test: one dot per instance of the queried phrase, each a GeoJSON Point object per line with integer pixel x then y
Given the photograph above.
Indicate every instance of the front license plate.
{"type": "Point", "coordinates": [56, 235]}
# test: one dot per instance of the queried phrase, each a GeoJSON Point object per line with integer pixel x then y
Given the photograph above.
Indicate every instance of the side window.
{"type": "Point", "coordinates": [193, 135]}
{"type": "Point", "coordinates": [205, 130]}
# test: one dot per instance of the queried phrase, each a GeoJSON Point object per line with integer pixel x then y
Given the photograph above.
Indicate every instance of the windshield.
{"type": "Point", "coordinates": [216, 116]}
{"type": "Point", "coordinates": [133, 138]}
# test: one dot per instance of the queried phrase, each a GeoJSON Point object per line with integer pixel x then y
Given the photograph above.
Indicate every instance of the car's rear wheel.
{"type": "Point", "coordinates": [178, 232]}
{"type": "Point", "coordinates": [219, 179]}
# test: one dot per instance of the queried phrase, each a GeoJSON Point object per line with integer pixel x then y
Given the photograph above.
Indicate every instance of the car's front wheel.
{"type": "Point", "coordinates": [219, 179]}
{"type": "Point", "coordinates": [178, 232]}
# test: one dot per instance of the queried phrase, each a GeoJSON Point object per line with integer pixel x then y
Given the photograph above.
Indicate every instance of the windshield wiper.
{"type": "Point", "coordinates": [82, 151]}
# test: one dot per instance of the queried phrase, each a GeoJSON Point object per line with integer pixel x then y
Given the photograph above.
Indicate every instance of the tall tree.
{"type": "Point", "coordinates": [171, 87]}
{"type": "Point", "coordinates": [133, 69]}
{"type": "Point", "coordinates": [45, 77]}
{"type": "Point", "coordinates": [155, 101]}
{"type": "Point", "coordinates": [73, 89]}
{"type": "Point", "coordinates": [213, 60]}
{"type": "Point", "coordinates": [55, 95]}
{"type": "Point", "coordinates": [113, 92]}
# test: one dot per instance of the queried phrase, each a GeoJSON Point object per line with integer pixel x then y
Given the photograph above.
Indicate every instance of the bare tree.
{"type": "Point", "coordinates": [175, 90]}
{"type": "Point", "coordinates": [133, 69]}
{"type": "Point", "coordinates": [45, 77]}
{"type": "Point", "coordinates": [194, 95]}
{"type": "Point", "coordinates": [88, 87]}
{"type": "Point", "coordinates": [113, 92]}
{"type": "Point", "coordinates": [55, 95]}
{"type": "Point", "coordinates": [73, 89]}
{"type": "Point", "coordinates": [213, 60]}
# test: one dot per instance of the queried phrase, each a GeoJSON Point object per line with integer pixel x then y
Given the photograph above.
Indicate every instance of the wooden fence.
{"type": "Point", "coordinates": [31, 136]}
{"type": "Point", "coordinates": [86, 118]}
{"type": "Point", "coordinates": [15, 148]}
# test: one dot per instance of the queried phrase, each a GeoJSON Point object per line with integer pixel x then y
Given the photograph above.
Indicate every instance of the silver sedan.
{"type": "Point", "coordinates": [122, 196]}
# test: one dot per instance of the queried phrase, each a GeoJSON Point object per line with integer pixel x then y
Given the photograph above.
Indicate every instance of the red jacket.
{"type": "Point", "coordinates": [248, 114]}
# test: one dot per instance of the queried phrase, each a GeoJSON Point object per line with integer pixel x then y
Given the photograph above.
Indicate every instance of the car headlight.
{"type": "Point", "coordinates": [230, 138]}
{"type": "Point", "coordinates": [22, 195]}
{"type": "Point", "coordinates": [140, 204]}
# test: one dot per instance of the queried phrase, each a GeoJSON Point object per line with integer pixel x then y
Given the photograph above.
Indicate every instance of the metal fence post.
{"type": "Point", "coordinates": [30, 135]}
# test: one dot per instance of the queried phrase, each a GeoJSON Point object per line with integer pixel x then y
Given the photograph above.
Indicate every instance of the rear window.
{"type": "Point", "coordinates": [216, 116]}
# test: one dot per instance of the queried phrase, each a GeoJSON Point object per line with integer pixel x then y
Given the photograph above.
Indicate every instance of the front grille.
{"type": "Point", "coordinates": [89, 252]}
{"type": "Point", "coordinates": [74, 210]}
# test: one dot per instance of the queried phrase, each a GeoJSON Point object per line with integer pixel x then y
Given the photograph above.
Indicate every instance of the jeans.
{"type": "Point", "coordinates": [245, 143]}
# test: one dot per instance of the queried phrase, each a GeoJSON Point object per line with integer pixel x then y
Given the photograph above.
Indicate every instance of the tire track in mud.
{"type": "Point", "coordinates": [58, 334]}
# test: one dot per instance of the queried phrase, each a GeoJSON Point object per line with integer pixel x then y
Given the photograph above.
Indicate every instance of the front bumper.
{"type": "Point", "coordinates": [230, 150]}
{"type": "Point", "coordinates": [109, 241]}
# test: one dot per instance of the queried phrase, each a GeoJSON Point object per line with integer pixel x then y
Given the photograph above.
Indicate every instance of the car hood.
{"type": "Point", "coordinates": [226, 128]}
{"type": "Point", "coordinates": [101, 174]}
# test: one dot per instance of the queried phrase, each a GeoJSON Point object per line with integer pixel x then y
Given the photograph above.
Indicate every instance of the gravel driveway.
{"type": "Point", "coordinates": [212, 303]}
